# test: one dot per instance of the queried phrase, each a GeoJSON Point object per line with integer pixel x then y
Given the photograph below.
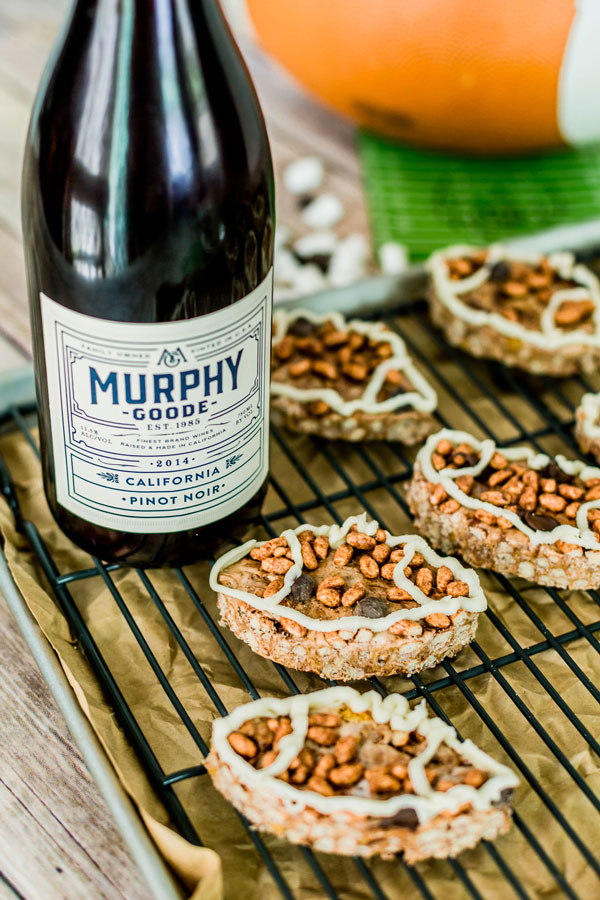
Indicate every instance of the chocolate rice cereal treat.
{"type": "Point", "coordinates": [348, 601]}
{"type": "Point", "coordinates": [352, 381]}
{"type": "Point", "coordinates": [509, 509]}
{"type": "Point", "coordinates": [587, 425]}
{"type": "Point", "coordinates": [357, 774]}
{"type": "Point", "coordinates": [539, 313]}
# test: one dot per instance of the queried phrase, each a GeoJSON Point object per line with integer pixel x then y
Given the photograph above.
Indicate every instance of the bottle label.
{"type": "Point", "coordinates": [159, 427]}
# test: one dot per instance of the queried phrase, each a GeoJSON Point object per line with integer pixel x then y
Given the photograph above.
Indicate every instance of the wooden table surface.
{"type": "Point", "coordinates": [57, 838]}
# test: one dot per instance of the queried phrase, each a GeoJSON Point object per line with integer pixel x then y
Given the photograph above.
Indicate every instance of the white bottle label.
{"type": "Point", "coordinates": [159, 427]}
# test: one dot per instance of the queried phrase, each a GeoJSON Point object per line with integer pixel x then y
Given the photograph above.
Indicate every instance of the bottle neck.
{"type": "Point", "coordinates": [208, 12]}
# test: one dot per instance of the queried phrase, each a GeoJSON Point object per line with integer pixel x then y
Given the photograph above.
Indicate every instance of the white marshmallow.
{"type": "Point", "coordinates": [393, 258]}
{"type": "Point", "coordinates": [325, 211]}
{"type": "Point", "coordinates": [349, 260]}
{"type": "Point", "coordinates": [316, 242]}
{"type": "Point", "coordinates": [282, 236]}
{"type": "Point", "coordinates": [286, 266]}
{"type": "Point", "coordinates": [309, 279]}
{"type": "Point", "coordinates": [282, 292]}
{"type": "Point", "coordinates": [304, 175]}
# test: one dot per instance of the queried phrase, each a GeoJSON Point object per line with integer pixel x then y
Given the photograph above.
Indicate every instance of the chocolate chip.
{"type": "Point", "coordinates": [500, 271]}
{"type": "Point", "coordinates": [553, 470]}
{"type": "Point", "coordinates": [485, 475]}
{"type": "Point", "coordinates": [302, 327]}
{"type": "Point", "coordinates": [321, 260]}
{"type": "Point", "coordinates": [394, 391]}
{"type": "Point", "coordinates": [404, 818]}
{"type": "Point", "coordinates": [302, 589]}
{"type": "Point", "coordinates": [371, 607]}
{"type": "Point", "coordinates": [539, 523]}
{"type": "Point", "coordinates": [304, 200]}
{"type": "Point", "coordinates": [472, 460]}
{"type": "Point", "coordinates": [506, 795]}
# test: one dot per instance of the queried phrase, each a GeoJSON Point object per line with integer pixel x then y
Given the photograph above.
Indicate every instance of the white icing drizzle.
{"type": "Point", "coordinates": [422, 398]}
{"type": "Point", "coordinates": [475, 602]}
{"type": "Point", "coordinates": [579, 534]}
{"type": "Point", "coordinates": [393, 709]}
{"type": "Point", "coordinates": [590, 408]}
{"type": "Point", "coordinates": [549, 337]}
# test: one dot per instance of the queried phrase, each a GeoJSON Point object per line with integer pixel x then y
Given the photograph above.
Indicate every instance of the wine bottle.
{"type": "Point", "coordinates": [148, 217]}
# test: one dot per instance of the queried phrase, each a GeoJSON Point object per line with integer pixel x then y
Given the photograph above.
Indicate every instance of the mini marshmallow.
{"type": "Point", "coordinates": [309, 279]}
{"type": "Point", "coordinates": [283, 292]}
{"type": "Point", "coordinates": [304, 175]}
{"type": "Point", "coordinates": [393, 258]}
{"type": "Point", "coordinates": [286, 266]}
{"type": "Point", "coordinates": [282, 236]}
{"type": "Point", "coordinates": [349, 260]}
{"type": "Point", "coordinates": [315, 243]}
{"type": "Point", "coordinates": [325, 211]}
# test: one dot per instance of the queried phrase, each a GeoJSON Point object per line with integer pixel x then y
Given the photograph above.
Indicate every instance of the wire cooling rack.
{"type": "Point", "coordinates": [329, 482]}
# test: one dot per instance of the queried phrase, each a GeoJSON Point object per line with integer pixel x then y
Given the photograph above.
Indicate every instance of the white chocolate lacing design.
{"type": "Point", "coordinates": [590, 415]}
{"type": "Point", "coordinates": [422, 398]}
{"type": "Point", "coordinates": [393, 709]}
{"type": "Point", "coordinates": [549, 337]}
{"type": "Point", "coordinates": [475, 602]}
{"type": "Point", "coordinates": [579, 533]}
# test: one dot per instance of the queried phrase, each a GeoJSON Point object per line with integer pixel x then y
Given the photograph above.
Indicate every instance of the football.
{"type": "Point", "coordinates": [477, 75]}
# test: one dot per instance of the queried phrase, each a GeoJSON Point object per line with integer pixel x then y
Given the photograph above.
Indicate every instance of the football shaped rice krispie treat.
{"type": "Point", "coordinates": [509, 509]}
{"type": "Point", "coordinates": [352, 381]}
{"type": "Point", "coordinates": [351, 773]}
{"type": "Point", "coordinates": [348, 601]}
{"type": "Point", "coordinates": [539, 313]}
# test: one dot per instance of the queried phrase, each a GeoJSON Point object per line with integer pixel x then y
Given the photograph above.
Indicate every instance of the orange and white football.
{"type": "Point", "coordinates": [480, 75]}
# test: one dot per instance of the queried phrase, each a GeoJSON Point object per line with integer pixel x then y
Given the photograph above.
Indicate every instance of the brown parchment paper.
{"type": "Point", "coordinates": [228, 866]}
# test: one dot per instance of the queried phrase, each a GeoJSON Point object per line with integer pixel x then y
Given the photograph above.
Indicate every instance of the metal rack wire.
{"type": "Point", "coordinates": [486, 399]}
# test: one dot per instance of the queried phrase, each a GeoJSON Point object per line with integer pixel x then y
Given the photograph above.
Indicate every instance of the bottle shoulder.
{"type": "Point", "coordinates": [180, 118]}
{"type": "Point", "coordinates": [152, 156]}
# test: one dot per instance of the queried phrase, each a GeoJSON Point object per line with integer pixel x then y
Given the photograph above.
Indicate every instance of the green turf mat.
{"type": "Point", "coordinates": [426, 199]}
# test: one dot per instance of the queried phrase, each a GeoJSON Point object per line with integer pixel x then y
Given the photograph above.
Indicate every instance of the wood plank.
{"type": "Point", "coordinates": [27, 32]}
{"type": "Point", "coordinates": [297, 127]}
{"type": "Point", "coordinates": [304, 123]}
{"type": "Point", "coordinates": [14, 119]}
{"type": "Point", "coordinates": [14, 311]}
{"type": "Point", "coordinates": [7, 891]}
{"type": "Point", "coordinates": [10, 356]}
{"type": "Point", "coordinates": [14, 322]}
{"type": "Point", "coordinates": [50, 804]}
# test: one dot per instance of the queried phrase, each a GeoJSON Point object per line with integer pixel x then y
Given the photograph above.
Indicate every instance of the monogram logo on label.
{"type": "Point", "coordinates": [172, 358]}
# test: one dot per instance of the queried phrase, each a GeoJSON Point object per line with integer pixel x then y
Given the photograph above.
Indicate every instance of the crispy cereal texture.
{"type": "Point", "coordinates": [408, 427]}
{"type": "Point", "coordinates": [370, 604]}
{"type": "Point", "coordinates": [489, 546]}
{"type": "Point", "coordinates": [347, 380]}
{"type": "Point", "coordinates": [345, 658]}
{"type": "Point", "coordinates": [356, 782]}
{"type": "Point", "coordinates": [519, 292]}
{"type": "Point", "coordinates": [441, 837]}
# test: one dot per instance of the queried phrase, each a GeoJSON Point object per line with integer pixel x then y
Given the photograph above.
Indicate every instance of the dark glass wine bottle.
{"type": "Point", "coordinates": [148, 226]}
